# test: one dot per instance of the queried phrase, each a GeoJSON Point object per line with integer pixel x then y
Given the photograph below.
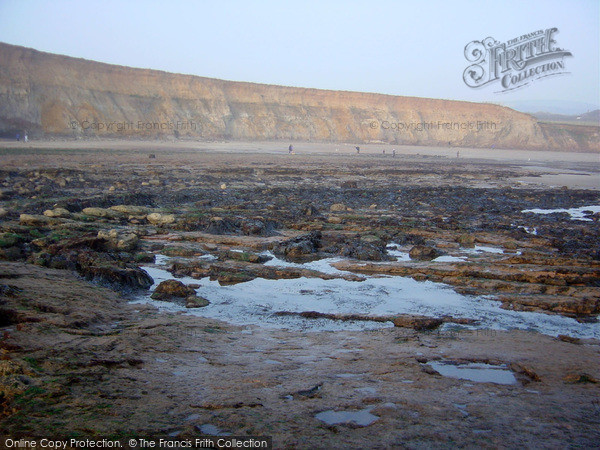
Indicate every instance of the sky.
{"type": "Point", "coordinates": [389, 47]}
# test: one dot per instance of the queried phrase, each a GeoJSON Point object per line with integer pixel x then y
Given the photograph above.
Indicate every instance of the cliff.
{"type": "Point", "coordinates": [49, 95]}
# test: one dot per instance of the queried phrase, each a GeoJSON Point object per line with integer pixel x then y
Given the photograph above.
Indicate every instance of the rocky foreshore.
{"type": "Point", "coordinates": [74, 242]}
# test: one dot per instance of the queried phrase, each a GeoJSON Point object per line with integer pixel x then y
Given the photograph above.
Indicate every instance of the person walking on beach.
{"type": "Point", "coordinates": [393, 153]}
{"type": "Point", "coordinates": [357, 150]}
{"type": "Point", "coordinates": [18, 136]}
{"type": "Point", "coordinates": [290, 149]}
{"type": "Point", "coordinates": [25, 139]}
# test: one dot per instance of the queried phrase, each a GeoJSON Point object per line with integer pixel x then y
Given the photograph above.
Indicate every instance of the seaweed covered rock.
{"type": "Point", "coordinates": [195, 301]}
{"type": "Point", "coordinates": [220, 225]}
{"type": "Point", "coordinates": [122, 277]}
{"type": "Point", "coordinates": [366, 251]}
{"type": "Point", "coordinates": [300, 246]}
{"type": "Point", "coordinates": [258, 226]}
{"type": "Point", "coordinates": [170, 289]}
{"type": "Point", "coordinates": [423, 252]}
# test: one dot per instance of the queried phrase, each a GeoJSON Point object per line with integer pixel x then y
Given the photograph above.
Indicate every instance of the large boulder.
{"type": "Point", "coordinates": [423, 253]}
{"type": "Point", "coordinates": [160, 219]}
{"type": "Point", "coordinates": [169, 289]}
{"type": "Point", "coordinates": [195, 301]}
{"type": "Point", "coordinates": [366, 251]}
{"type": "Point", "coordinates": [300, 246]}
{"type": "Point", "coordinates": [57, 212]}
{"type": "Point", "coordinates": [119, 241]}
{"type": "Point", "coordinates": [132, 278]}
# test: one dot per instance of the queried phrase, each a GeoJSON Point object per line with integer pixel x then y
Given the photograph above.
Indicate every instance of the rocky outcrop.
{"type": "Point", "coordinates": [49, 94]}
{"type": "Point", "coordinates": [87, 256]}
{"type": "Point", "coordinates": [232, 272]}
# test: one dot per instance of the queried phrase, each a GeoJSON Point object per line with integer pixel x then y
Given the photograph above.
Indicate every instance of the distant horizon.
{"type": "Point", "coordinates": [390, 48]}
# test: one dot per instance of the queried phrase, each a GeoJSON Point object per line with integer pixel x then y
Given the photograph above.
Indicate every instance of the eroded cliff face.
{"type": "Point", "coordinates": [49, 94]}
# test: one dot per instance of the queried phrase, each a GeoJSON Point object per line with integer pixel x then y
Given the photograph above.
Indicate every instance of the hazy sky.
{"type": "Point", "coordinates": [392, 47]}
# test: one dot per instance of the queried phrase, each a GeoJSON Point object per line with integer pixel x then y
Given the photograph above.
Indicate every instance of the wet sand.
{"type": "Point", "coordinates": [556, 169]}
{"type": "Point", "coordinates": [309, 148]}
